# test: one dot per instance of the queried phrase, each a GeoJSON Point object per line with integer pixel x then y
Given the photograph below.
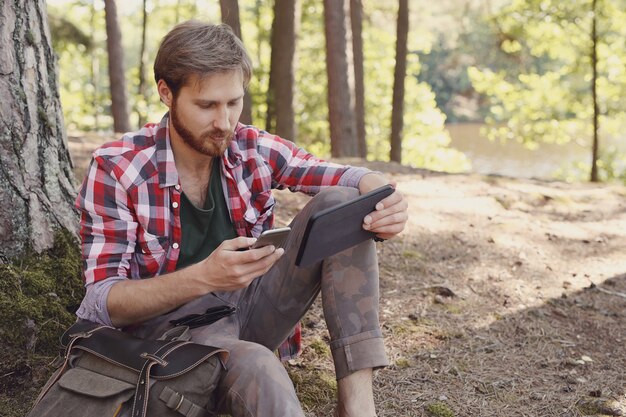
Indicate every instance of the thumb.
{"type": "Point", "coordinates": [240, 242]}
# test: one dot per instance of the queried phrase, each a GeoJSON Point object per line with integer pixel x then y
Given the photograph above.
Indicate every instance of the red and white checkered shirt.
{"type": "Point", "coordinates": [130, 204]}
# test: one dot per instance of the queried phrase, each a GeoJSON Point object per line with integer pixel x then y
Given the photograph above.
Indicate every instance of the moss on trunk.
{"type": "Point", "coordinates": [38, 297]}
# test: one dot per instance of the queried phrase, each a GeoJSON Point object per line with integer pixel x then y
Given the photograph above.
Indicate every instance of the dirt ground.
{"type": "Point", "coordinates": [503, 297]}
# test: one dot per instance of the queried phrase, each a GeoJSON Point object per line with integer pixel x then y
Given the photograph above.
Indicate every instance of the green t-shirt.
{"type": "Point", "coordinates": [204, 229]}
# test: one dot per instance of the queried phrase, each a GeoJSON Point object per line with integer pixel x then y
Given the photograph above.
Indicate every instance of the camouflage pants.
{"type": "Point", "coordinates": [254, 382]}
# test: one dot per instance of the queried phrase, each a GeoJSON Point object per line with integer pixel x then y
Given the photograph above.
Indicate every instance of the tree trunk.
{"type": "Point", "coordinates": [340, 95]}
{"type": "Point", "coordinates": [36, 180]}
{"type": "Point", "coordinates": [280, 114]}
{"type": "Point", "coordinates": [141, 87]}
{"type": "Point", "coordinates": [356, 19]}
{"type": "Point", "coordinates": [230, 16]}
{"type": "Point", "coordinates": [397, 111]}
{"type": "Point", "coordinates": [594, 93]}
{"type": "Point", "coordinates": [94, 73]}
{"type": "Point", "coordinates": [117, 77]}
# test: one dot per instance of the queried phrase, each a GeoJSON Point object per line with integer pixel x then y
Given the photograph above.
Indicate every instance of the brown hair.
{"type": "Point", "coordinates": [202, 49]}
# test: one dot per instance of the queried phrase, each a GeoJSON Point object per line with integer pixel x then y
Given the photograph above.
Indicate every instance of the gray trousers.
{"type": "Point", "coordinates": [254, 382]}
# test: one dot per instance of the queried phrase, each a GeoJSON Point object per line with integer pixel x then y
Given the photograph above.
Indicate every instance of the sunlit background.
{"type": "Point", "coordinates": [500, 86]}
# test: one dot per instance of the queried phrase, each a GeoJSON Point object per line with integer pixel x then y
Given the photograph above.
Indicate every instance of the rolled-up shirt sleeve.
{"type": "Point", "coordinates": [352, 176]}
{"type": "Point", "coordinates": [298, 170]}
{"type": "Point", "coordinates": [94, 304]}
{"type": "Point", "coordinates": [108, 230]}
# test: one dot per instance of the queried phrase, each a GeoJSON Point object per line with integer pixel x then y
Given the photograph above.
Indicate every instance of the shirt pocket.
{"type": "Point", "coordinates": [151, 253]}
{"type": "Point", "coordinates": [260, 208]}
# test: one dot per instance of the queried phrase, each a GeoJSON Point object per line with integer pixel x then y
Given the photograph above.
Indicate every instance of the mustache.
{"type": "Point", "coordinates": [218, 134]}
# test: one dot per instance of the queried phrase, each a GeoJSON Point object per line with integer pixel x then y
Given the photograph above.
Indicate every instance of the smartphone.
{"type": "Point", "coordinates": [276, 237]}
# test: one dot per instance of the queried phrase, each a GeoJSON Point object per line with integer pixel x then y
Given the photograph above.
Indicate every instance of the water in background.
{"type": "Point", "coordinates": [513, 159]}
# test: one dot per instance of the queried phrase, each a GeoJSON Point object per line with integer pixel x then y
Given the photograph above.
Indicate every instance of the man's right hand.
{"type": "Point", "coordinates": [230, 268]}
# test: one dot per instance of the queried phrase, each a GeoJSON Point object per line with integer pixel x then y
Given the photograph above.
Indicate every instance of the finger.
{"type": "Point", "coordinates": [260, 267]}
{"type": "Point", "coordinates": [387, 232]}
{"type": "Point", "coordinates": [260, 253]}
{"type": "Point", "coordinates": [389, 201]}
{"type": "Point", "coordinates": [390, 220]}
{"type": "Point", "coordinates": [241, 242]}
{"type": "Point", "coordinates": [243, 260]}
{"type": "Point", "coordinates": [393, 229]}
{"type": "Point", "coordinates": [398, 207]}
{"type": "Point", "coordinates": [271, 260]}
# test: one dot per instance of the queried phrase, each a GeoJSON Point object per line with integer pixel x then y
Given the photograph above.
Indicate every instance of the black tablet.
{"type": "Point", "coordinates": [339, 227]}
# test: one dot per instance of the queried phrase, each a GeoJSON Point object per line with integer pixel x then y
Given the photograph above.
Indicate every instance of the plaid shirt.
{"type": "Point", "coordinates": [130, 204]}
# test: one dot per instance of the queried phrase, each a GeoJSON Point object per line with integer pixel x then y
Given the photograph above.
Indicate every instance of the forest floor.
{"type": "Point", "coordinates": [503, 297]}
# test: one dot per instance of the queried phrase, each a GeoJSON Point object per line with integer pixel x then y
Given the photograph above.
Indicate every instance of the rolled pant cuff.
{"type": "Point", "coordinates": [362, 351]}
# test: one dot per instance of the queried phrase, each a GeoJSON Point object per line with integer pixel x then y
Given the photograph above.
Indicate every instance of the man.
{"type": "Point", "coordinates": [182, 201]}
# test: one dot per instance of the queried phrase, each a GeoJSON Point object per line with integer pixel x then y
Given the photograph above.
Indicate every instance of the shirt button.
{"type": "Point", "coordinates": [175, 245]}
{"type": "Point", "coordinates": [175, 204]}
{"type": "Point", "coordinates": [177, 187]}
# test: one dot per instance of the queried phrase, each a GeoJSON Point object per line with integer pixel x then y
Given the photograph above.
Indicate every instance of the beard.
{"type": "Point", "coordinates": [213, 142]}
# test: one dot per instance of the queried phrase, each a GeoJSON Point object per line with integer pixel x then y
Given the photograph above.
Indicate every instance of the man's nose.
{"type": "Point", "coordinates": [222, 120]}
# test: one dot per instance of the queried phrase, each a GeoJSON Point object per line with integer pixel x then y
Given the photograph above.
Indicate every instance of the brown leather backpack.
{"type": "Point", "coordinates": [109, 373]}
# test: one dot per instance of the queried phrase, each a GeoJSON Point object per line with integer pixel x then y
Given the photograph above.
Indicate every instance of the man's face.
{"type": "Point", "coordinates": [206, 111]}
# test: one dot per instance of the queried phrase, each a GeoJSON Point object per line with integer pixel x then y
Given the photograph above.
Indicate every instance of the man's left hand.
{"type": "Point", "coordinates": [391, 213]}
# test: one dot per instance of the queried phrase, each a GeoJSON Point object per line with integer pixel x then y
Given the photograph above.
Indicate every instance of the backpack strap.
{"type": "Point", "coordinates": [177, 402]}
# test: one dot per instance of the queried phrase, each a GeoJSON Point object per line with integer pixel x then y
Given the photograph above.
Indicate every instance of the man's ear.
{"type": "Point", "coordinates": [165, 93]}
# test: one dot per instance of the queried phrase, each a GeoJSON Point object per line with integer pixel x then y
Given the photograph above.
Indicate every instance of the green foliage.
{"type": "Point", "coordinates": [551, 100]}
{"type": "Point", "coordinates": [462, 39]}
{"type": "Point", "coordinates": [85, 92]}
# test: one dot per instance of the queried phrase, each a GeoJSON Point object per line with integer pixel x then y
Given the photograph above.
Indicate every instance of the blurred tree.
{"type": "Point", "coordinates": [117, 74]}
{"type": "Point", "coordinates": [397, 110]}
{"type": "Point", "coordinates": [578, 83]}
{"type": "Point", "coordinates": [65, 32]}
{"type": "Point", "coordinates": [36, 177]}
{"type": "Point", "coordinates": [94, 72]}
{"type": "Point", "coordinates": [593, 176]}
{"type": "Point", "coordinates": [141, 85]}
{"type": "Point", "coordinates": [280, 112]}
{"type": "Point", "coordinates": [230, 16]}
{"type": "Point", "coordinates": [341, 116]}
{"type": "Point", "coordinates": [356, 21]}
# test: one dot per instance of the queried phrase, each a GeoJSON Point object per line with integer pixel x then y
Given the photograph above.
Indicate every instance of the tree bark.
{"type": "Point", "coordinates": [340, 94]}
{"type": "Point", "coordinates": [230, 16]}
{"type": "Point", "coordinates": [593, 177]}
{"type": "Point", "coordinates": [397, 111]}
{"type": "Point", "coordinates": [356, 20]}
{"type": "Point", "coordinates": [36, 180]}
{"type": "Point", "coordinates": [117, 77]}
{"type": "Point", "coordinates": [280, 113]}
